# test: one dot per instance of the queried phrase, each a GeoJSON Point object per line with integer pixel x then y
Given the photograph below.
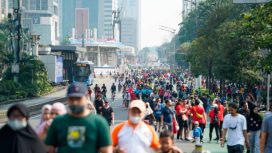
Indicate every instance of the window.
{"type": "Point", "coordinates": [26, 4]}
{"type": "Point", "coordinates": [38, 5]}
{"type": "Point", "coordinates": [55, 10]}
{"type": "Point", "coordinates": [44, 4]}
{"type": "Point", "coordinates": [32, 4]}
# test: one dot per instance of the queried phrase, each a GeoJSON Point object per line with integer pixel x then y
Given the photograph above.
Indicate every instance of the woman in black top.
{"type": "Point", "coordinates": [17, 136]}
{"type": "Point", "coordinates": [254, 124]}
{"type": "Point", "coordinates": [107, 113]}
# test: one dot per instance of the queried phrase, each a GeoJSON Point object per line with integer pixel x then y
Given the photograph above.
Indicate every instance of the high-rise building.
{"type": "Point", "coordinates": [108, 7]}
{"type": "Point", "coordinates": [130, 22]}
{"type": "Point", "coordinates": [99, 18]}
{"type": "Point", "coordinates": [41, 18]}
{"type": "Point", "coordinates": [81, 22]}
{"type": "Point", "coordinates": [70, 20]}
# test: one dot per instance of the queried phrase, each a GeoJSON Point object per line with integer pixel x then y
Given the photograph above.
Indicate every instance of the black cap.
{"type": "Point", "coordinates": [77, 89]}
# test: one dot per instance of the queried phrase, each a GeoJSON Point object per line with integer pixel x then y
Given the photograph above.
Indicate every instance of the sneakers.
{"type": "Point", "coordinates": [186, 139]}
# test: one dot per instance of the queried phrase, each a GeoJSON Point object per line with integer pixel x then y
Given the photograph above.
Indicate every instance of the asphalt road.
{"type": "Point", "coordinates": [121, 115]}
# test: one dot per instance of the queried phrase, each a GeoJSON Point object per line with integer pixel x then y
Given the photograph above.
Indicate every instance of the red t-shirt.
{"type": "Point", "coordinates": [161, 92]}
{"type": "Point", "coordinates": [133, 96]}
{"type": "Point", "coordinates": [198, 110]}
{"type": "Point", "coordinates": [221, 112]}
{"type": "Point", "coordinates": [211, 115]}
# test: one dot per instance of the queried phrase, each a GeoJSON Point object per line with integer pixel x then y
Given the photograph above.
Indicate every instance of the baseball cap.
{"type": "Point", "coordinates": [138, 104]}
{"type": "Point", "coordinates": [77, 89]}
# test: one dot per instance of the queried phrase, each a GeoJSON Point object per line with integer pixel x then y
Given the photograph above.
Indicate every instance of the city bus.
{"type": "Point", "coordinates": [83, 71]}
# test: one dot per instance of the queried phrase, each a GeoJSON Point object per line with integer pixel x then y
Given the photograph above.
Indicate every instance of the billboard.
{"type": "Point", "coordinates": [59, 69]}
{"type": "Point", "coordinates": [250, 1]}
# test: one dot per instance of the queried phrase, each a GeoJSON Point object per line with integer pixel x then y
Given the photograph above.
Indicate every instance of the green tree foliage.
{"type": "Point", "coordinates": [227, 41]}
{"type": "Point", "coordinates": [32, 77]}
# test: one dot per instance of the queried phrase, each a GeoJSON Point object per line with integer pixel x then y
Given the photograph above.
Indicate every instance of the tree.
{"type": "Point", "coordinates": [66, 40]}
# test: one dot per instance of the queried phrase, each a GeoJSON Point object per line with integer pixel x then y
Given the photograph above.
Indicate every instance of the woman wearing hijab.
{"type": "Point", "coordinates": [46, 121]}
{"type": "Point", "coordinates": [254, 124]}
{"type": "Point", "coordinates": [58, 109]}
{"type": "Point", "coordinates": [17, 136]}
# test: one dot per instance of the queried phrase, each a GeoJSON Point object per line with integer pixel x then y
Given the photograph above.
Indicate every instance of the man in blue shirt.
{"type": "Point", "coordinates": [168, 115]}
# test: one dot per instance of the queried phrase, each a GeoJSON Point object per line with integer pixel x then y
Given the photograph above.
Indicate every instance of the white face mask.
{"type": "Point", "coordinates": [135, 119]}
{"type": "Point", "coordinates": [16, 124]}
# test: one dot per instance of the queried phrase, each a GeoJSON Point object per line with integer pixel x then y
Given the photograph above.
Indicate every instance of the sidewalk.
{"type": "Point", "coordinates": [48, 98]}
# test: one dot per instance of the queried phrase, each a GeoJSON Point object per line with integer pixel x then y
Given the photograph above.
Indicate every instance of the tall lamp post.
{"type": "Point", "coordinates": [173, 31]}
{"type": "Point", "coordinates": [15, 33]}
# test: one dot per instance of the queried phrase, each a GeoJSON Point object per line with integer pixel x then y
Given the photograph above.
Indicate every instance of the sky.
{"type": "Point", "coordinates": [155, 13]}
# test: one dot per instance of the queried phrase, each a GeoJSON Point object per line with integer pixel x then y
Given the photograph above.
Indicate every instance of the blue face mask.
{"type": "Point", "coordinates": [17, 124]}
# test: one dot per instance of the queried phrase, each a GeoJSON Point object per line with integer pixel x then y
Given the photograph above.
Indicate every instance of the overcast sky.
{"type": "Point", "coordinates": [156, 13]}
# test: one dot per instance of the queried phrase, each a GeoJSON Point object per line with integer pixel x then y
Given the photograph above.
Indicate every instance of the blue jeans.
{"type": "Point", "coordinates": [254, 140]}
{"type": "Point", "coordinates": [236, 149]}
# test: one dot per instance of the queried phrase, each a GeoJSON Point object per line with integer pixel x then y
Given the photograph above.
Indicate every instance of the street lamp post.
{"type": "Point", "coordinates": [15, 33]}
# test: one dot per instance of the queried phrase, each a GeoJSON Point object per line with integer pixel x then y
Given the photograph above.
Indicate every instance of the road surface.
{"type": "Point", "coordinates": [121, 115]}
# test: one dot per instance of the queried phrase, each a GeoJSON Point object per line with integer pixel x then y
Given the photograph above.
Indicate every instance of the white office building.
{"type": "Point", "coordinates": [41, 18]}
{"type": "Point", "coordinates": [108, 20]}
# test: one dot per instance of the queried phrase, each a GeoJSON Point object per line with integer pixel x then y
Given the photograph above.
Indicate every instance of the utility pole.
{"type": "Point", "coordinates": [83, 40]}
{"type": "Point", "coordinates": [117, 20]}
{"type": "Point", "coordinates": [15, 33]}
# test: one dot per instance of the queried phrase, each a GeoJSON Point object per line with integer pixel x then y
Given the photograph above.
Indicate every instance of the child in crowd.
{"type": "Point", "coordinates": [167, 143]}
{"type": "Point", "coordinates": [197, 132]}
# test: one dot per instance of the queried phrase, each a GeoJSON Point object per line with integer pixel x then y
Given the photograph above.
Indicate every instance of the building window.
{"type": "Point", "coordinates": [55, 10]}
{"type": "Point", "coordinates": [26, 4]}
{"type": "Point", "coordinates": [38, 5]}
{"type": "Point", "coordinates": [32, 4]}
{"type": "Point", "coordinates": [44, 4]}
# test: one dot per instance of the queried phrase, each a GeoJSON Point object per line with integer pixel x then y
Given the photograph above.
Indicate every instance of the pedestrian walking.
{"type": "Point", "coordinates": [197, 133]}
{"type": "Point", "coordinates": [99, 103]}
{"type": "Point", "coordinates": [107, 113]}
{"type": "Point", "coordinates": [214, 122]}
{"type": "Point", "coordinates": [236, 126]}
{"type": "Point", "coordinates": [79, 130]}
{"type": "Point", "coordinates": [254, 124]}
{"type": "Point", "coordinates": [266, 135]}
{"type": "Point", "coordinates": [17, 136]}
{"type": "Point", "coordinates": [58, 109]}
{"type": "Point", "coordinates": [133, 135]}
{"type": "Point", "coordinates": [199, 115]}
{"type": "Point", "coordinates": [157, 113]}
{"type": "Point", "coordinates": [46, 120]}
{"type": "Point", "coordinates": [168, 116]}
{"type": "Point", "coordinates": [182, 118]}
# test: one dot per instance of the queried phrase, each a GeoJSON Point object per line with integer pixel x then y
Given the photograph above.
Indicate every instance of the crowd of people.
{"type": "Point", "coordinates": [162, 106]}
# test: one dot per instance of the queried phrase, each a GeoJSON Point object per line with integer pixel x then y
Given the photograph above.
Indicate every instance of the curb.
{"type": "Point", "coordinates": [34, 109]}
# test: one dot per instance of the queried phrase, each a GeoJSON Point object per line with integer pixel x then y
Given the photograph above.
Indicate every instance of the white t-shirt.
{"type": "Point", "coordinates": [235, 126]}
